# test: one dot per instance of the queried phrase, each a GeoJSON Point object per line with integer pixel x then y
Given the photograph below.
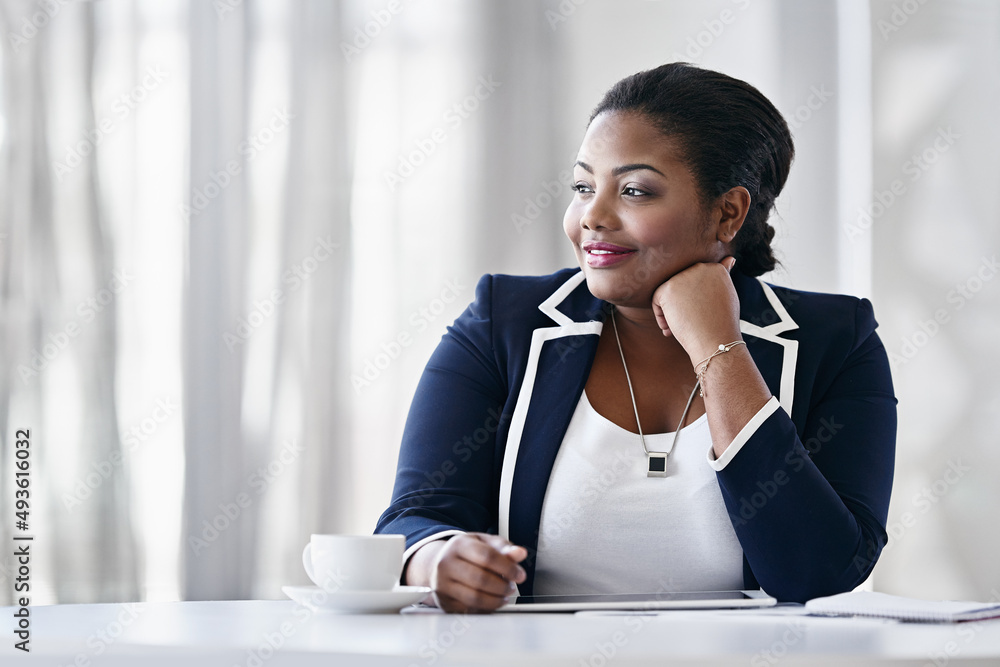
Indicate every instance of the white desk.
{"type": "Point", "coordinates": [273, 633]}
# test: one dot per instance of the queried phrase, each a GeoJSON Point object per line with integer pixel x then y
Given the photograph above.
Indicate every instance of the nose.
{"type": "Point", "coordinates": [599, 214]}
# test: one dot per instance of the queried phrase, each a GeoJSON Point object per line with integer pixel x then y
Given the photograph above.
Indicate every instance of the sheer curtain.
{"type": "Point", "coordinates": [267, 296]}
{"type": "Point", "coordinates": [231, 234]}
{"type": "Point", "coordinates": [237, 168]}
{"type": "Point", "coordinates": [62, 275]}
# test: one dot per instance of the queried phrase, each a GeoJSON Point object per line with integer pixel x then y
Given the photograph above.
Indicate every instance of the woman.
{"type": "Point", "coordinates": [541, 451]}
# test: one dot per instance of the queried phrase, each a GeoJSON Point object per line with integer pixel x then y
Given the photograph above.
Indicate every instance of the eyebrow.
{"type": "Point", "coordinates": [625, 168]}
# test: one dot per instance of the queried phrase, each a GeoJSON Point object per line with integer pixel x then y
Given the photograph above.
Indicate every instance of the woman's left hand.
{"type": "Point", "coordinates": [700, 308]}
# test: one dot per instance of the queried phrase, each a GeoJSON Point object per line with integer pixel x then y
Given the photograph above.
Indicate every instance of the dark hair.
{"type": "Point", "coordinates": [730, 135]}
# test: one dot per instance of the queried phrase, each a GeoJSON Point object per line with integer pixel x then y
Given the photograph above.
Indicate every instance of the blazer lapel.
{"type": "Point", "coordinates": [762, 318]}
{"type": "Point", "coordinates": [559, 362]}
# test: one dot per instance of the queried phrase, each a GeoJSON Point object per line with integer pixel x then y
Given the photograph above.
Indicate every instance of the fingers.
{"type": "Point", "coordinates": [661, 320]}
{"type": "Point", "coordinates": [516, 554]}
{"type": "Point", "coordinates": [476, 572]}
{"type": "Point", "coordinates": [729, 262]}
{"type": "Point", "coordinates": [495, 555]}
{"type": "Point", "coordinates": [471, 585]}
{"type": "Point", "coordinates": [462, 600]}
{"type": "Point", "coordinates": [457, 597]}
{"type": "Point", "coordinates": [512, 551]}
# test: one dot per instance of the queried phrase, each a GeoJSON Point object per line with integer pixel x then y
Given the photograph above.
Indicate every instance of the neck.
{"type": "Point", "coordinates": [638, 326]}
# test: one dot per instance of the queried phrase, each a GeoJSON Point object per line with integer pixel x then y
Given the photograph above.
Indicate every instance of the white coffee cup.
{"type": "Point", "coordinates": [354, 562]}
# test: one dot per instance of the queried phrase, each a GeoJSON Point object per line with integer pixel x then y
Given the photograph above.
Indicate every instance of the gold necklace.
{"type": "Point", "coordinates": [656, 462]}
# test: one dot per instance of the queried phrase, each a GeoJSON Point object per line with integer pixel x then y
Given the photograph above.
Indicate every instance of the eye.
{"type": "Point", "coordinates": [581, 188]}
{"type": "Point", "coordinates": [633, 191]}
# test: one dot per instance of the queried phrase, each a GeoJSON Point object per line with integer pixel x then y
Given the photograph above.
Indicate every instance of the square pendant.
{"type": "Point", "coordinates": [657, 464]}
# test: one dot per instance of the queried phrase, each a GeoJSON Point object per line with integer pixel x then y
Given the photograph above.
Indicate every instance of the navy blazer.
{"type": "Point", "coordinates": [807, 492]}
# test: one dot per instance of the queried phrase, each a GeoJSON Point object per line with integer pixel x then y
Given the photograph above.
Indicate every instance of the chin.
{"type": "Point", "coordinates": [617, 290]}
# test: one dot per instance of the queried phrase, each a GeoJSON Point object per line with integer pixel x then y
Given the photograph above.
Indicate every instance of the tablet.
{"type": "Point", "coordinates": [640, 601]}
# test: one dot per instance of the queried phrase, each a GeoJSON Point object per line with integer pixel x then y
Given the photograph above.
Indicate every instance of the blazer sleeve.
{"type": "Point", "coordinates": [445, 479]}
{"type": "Point", "coordinates": [810, 510]}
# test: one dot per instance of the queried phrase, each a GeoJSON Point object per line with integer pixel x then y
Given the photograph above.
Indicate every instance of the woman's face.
{"type": "Point", "coordinates": [636, 218]}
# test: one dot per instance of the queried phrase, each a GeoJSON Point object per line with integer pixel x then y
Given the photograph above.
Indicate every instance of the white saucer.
{"type": "Point", "coordinates": [356, 602]}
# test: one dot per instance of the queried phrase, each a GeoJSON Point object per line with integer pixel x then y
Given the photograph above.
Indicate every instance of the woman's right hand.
{"type": "Point", "coordinates": [471, 572]}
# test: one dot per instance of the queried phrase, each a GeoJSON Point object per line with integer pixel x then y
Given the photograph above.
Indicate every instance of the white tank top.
{"type": "Point", "coordinates": [608, 528]}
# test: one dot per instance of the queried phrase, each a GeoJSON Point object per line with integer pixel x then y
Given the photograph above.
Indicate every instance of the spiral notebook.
{"type": "Point", "coordinates": [881, 605]}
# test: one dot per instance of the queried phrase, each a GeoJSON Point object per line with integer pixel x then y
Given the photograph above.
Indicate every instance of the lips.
{"type": "Point", "coordinates": [601, 254]}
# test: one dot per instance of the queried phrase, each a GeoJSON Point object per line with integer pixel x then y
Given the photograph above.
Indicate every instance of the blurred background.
{"type": "Point", "coordinates": [232, 232]}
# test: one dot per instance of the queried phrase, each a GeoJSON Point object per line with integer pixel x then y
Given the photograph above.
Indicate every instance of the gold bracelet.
{"type": "Point", "coordinates": [703, 366]}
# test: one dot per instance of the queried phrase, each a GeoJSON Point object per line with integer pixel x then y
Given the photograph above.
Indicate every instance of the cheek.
{"type": "Point", "coordinates": [670, 226]}
{"type": "Point", "coordinates": [571, 223]}
{"type": "Point", "coordinates": [652, 228]}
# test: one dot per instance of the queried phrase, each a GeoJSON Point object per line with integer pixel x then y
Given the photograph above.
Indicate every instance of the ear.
{"type": "Point", "coordinates": [732, 209]}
